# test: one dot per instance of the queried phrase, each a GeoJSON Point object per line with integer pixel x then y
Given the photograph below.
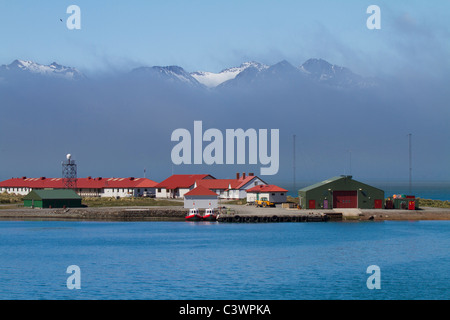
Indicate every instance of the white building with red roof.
{"type": "Point", "coordinates": [177, 185]}
{"type": "Point", "coordinates": [86, 187]}
{"type": "Point", "coordinates": [201, 198]}
{"type": "Point", "coordinates": [233, 189]}
{"type": "Point", "coordinates": [271, 192]}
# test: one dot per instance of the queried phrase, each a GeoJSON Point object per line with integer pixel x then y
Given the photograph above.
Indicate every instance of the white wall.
{"type": "Point", "coordinates": [242, 192]}
{"type": "Point", "coordinates": [201, 202]}
{"type": "Point", "coordinates": [276, 197]}
{"type": "Point", "coordinates": [165, 193]}
{"type": "Point", "coordinates": [19, 191]}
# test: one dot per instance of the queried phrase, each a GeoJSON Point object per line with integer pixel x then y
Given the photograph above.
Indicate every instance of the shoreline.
{"type": "Point", "coordinates": [177, 213]}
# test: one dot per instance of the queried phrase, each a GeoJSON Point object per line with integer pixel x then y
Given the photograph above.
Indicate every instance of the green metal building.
{"type": "Point", "coordinates": [341, 192]}
{"type": "Point", "coordinates": [56, 198]}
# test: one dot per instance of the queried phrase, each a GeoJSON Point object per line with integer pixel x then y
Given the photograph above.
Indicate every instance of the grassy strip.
{"type": "Point", "coordinates": [433, 203]}
{"type": "Point", "coordinates": [130, 202]}
{"type": "Point", "coordinates": [6, 198]}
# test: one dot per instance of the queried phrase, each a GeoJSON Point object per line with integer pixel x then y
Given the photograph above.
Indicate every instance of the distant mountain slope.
{"type": "Point", "coordinates": [23, 68]}
{"type": "Point", "coordinates": [211, 79]}
{"type": "Point", "coordinates": [171, 74]}
{"type": "Point", "coordinates": [322, 71]}
{"type": "Point", "coordinates": [312, 71]}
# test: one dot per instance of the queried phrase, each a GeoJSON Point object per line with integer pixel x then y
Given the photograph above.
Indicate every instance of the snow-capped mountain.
{"type": "Point", "coordinates": [322, 71]}
{"type": "Point", "coordinates": [316, 71]}
{"type": "Point", "coordinates": [26, 68]}
{"type": "Point", "coordinates": [172, 74]}
{"type": "Point", "coordinates": [313, 71]}
{"type": "Point", "coordinates": [211, 79]}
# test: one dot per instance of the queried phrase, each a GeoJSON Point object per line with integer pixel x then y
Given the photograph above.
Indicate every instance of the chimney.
{"type": "Point", "coordinates": [251, 174]}
{"type": "Point", "coordinates": [243, 175]}
{"type": "Point", "coordinates": [237, 176]}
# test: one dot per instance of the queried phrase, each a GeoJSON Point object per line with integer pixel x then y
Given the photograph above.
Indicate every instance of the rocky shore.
{"type": "Point", "coordinates": [177, 213]}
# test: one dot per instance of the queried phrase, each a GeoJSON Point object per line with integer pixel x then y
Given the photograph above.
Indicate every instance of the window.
{"type": "Point", "coordinates": [159, 190]}
{"type": "Point", "coordinates": [281, 194]}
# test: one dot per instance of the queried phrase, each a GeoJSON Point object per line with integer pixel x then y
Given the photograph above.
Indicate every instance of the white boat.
{"type": "Point", "coordinates": [193, 215]}
{"type": "Point", "coordinates": [210, 215]}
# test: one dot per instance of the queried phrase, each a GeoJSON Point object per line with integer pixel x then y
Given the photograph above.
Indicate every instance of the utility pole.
{"type": "Point", "coordinates": [410, 164]}
{"type": "Point", "coordinates": [295, 187]}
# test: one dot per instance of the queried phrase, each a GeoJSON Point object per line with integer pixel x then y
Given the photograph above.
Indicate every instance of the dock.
{"type": "Point", "coordinates": [266, 216]}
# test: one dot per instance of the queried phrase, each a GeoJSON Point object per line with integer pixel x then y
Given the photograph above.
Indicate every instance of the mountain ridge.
{"type": "Point", "coordinates": [314, 70]}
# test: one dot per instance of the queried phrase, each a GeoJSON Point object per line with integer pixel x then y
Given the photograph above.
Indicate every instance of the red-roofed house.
{"type": "Point", "coordinates": [232, 188]}
{"type": "Point", "coordinates": [201, 198]}
{"type": "Point", "coordinates": [86, 187]}
{"type": "Point", "coordinates": [271, 192]}
{"type": "Point", "coordinates": [178, 184]}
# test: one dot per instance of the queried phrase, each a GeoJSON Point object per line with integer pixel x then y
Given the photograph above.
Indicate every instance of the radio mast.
{"type": "Point", "coordinates": [69, 173]}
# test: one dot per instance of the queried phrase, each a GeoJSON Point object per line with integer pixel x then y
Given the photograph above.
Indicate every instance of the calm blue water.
{"type": "Point", "coordinates": [183, 260]}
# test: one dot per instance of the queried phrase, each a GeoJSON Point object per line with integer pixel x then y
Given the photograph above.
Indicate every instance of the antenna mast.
{"type": "Point", "coordinates": [295, 187]}
{"type": "Point", "coordinates": [69, 173]}
{"type": "Point", "coordinates": [410, 164]}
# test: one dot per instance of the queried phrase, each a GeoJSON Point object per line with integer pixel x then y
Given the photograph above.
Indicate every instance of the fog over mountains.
{"type": "Point", "coordinates": [117, 125]}
{"type": "Point", "coordinates": [313, 70]}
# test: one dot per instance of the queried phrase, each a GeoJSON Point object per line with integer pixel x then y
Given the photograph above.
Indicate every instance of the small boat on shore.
{"type": "Point", "coordinates": [209, 215]}
{"type": "Point", "coordinates": [193, 215]}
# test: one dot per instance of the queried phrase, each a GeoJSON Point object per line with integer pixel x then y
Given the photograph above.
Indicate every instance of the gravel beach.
{"type": "Point", "coordinates": [178, 213]}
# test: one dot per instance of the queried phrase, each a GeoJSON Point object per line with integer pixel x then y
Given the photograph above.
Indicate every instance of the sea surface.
{"type": "Point", "coordinates": [224, 261]}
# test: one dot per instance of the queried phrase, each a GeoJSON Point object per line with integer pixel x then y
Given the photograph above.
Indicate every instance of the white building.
{"type": "Point", "coordinates": [201, 198]}
{"type": "Point", "coordinates": [272, 193]}
{"type": "Point", "coordinates": [233, 189]}
{"type": "Point", "coordinates": [86, 187]}
{"type": "Point", "coordinates": [177, 185]}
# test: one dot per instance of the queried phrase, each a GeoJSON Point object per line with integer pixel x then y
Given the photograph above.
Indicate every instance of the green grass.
{"type": "Point", "coordinates": [6, 198]}
{"type": "Point", "coordinates": [241, 201]}
{"type": "Point", "coordinates": [130, 202]}
{"type": "Point", "coordinates": [433, 203]}
{"type": "Point", "coordinates": [292, 199]}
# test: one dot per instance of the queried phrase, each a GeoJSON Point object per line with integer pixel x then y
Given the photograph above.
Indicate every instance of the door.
{"type": "Point", "coordinates": [345, 199]}
{"type": "Point", "coordinates": [312, 204]}
{"type": "Point", "coordinates": [378, 204]}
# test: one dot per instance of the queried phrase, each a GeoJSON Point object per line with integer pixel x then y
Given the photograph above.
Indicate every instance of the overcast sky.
{"type": "Point", "coordinates": [212, 35]}
{"type": "Point", "coordinates": [410, 53]}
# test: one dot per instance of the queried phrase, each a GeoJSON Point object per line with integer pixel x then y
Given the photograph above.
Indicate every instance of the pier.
{"type": "Point", "coordinates": [275, 218]}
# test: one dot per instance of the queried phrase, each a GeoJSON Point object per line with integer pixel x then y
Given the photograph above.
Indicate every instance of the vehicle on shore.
{"type": "Point", "coordinates": [264, 202]}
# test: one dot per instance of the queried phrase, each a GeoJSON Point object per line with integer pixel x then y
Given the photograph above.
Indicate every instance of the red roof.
{"type": "Point", "coordinates": [266, 188]}
{"type": "Point", "coordinates": [82, 183]}
{"type": "Point", "coordinates": [182, 180]}
{"type": "Point", "coordinates": [201, 191]}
